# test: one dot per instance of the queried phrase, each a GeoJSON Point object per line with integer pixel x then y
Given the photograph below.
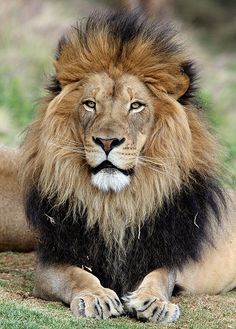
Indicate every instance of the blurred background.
{"type": "Point", "coordinates": [29, 31]}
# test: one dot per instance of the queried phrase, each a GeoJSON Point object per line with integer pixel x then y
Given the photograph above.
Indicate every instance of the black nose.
{"type": "Point", "coordinates": [108, 144]}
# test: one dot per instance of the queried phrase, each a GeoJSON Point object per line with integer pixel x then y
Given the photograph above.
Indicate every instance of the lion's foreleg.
{"type": "Point", "coordinates": [150, 301]}
{"type": "Point", "coordinates": [78, 288]}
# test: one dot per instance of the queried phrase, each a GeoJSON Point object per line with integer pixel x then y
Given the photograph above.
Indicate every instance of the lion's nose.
{"type": "Point", "coordinates": [108, 144]}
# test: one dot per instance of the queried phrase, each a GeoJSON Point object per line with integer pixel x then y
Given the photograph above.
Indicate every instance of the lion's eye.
{"type": "Point", "coordinates": [89, 105]}
{"type": "Point", "coordinates": [136, 107]}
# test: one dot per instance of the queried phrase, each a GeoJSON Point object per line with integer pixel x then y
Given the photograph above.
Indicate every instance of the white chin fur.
{"type": "Point", "coordinates": [114, 180]}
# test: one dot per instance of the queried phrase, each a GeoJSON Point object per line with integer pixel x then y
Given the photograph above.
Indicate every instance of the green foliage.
{"type": "Point", "coordinates": [219, 123]}
{"type": "Point", "coordinates": [14, 98]}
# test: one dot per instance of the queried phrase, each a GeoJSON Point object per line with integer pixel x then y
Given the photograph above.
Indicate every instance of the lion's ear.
{"type": "Point", "coordinates": [181, 86]}
{"type": "Point", "coordinates": [180, 80]}
{"type": "Point", "coordinates": [186, 79]}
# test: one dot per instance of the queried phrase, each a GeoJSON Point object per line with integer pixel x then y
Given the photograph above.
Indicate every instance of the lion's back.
{"type": "Point", "coordinates": [14, 232]}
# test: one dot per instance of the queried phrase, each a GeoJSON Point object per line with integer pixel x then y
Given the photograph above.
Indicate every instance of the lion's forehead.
{"type": "Point", "coordinates": [126, 87]}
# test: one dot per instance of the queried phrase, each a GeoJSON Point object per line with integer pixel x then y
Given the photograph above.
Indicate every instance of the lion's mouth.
{"type": "Point", "coordinates": [111, 168]}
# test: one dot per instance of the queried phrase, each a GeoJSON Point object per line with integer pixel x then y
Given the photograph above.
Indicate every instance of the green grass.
{"type": "Point", "coordinates": [22, 315]}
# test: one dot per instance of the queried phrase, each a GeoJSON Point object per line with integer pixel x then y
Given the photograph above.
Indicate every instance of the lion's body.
{"type": "Point", "coordinates": [216, 271]}
{"type": "Point", "coordinates": [119, 175]}
{"type": "Point", "coordinates": [14, 231]}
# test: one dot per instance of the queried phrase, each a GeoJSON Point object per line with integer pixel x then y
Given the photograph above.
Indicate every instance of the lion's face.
{"type": "Point", "coordinates": [115, 118]}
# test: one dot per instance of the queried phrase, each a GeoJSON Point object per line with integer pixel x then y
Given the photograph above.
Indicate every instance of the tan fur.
{"type": "Point", "coordinates": [216, 272]}
{"type": "Point", "coordinates": [78, 288]}
{"type": "Point", "coordinates": [14, 231]}
{"type": "Point", "coordinates": [151, 298]}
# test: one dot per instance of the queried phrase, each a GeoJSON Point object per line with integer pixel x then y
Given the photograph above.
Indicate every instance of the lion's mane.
{"type": "Point", "coordinates": [164, 217]}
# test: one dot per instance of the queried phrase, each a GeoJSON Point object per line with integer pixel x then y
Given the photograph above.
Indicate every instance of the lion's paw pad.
{"type": "Point", "coordinates": [101, 305]}
{"type": "Point", "coordinates": [150, 308]}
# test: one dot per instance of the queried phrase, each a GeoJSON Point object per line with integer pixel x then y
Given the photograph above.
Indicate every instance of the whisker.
{"type": "Point", "coordinates": [161, 164]}
{"type": "Point", "coordinates": [69, 142]}
{"type": "Point", "coordinates": [152, 158]}
{"type": "Point", "coordinates": [158, 170]}
{"type": "Point", "coordinates": [155, 163]}
{"type": "Point", "coordinates": [68, 148]}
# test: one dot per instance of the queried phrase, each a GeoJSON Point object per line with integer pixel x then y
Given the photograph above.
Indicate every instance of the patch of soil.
{"type": "Point", "coordinates": [16, 274]}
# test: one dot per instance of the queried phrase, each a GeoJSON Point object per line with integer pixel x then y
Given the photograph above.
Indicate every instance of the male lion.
{"type": "Point", "coordinates": [119, 175]}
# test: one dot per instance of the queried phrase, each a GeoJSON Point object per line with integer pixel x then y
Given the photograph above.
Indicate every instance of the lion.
{"type": "Point", "coordinates": [14, 231]}
{"type": "Point", "coordinates": [119, 176]}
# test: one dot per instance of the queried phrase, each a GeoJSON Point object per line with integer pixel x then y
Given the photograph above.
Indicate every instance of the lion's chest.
{"type": "Point", "coordinates": [156, 245]}
{"type": "Point", "coordinates": [169, 239]}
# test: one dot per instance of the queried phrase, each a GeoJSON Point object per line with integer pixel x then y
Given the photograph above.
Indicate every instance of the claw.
{"type": "Point", "coordinates": [81, 303]}
{"type": "Point", "coordinates": [99, 305]}
{"type": "Point", "coordinates": [147, 307]}
{"type": "Point", "coordinates": [126, 297]}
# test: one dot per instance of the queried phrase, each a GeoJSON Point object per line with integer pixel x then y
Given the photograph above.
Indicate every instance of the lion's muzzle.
{"type": "Point", "coordinates": [107, 172]}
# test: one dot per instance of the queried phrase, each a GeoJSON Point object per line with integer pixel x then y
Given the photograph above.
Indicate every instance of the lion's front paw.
{"type": "Point", "coordinates": [148, 307]}
{"type": "Point", "coordinates": [99, 304]}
